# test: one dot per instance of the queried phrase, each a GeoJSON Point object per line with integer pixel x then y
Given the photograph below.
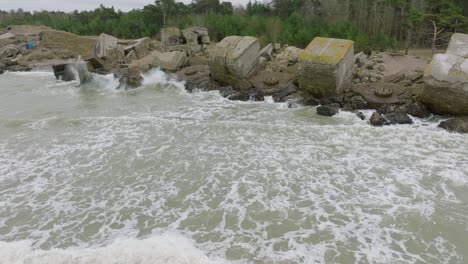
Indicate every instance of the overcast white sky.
{"type": "Point", "coordinates": [70, 5]}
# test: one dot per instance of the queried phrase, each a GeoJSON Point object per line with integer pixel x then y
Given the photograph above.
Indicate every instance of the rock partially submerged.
{"type": "Point", "coordinates": [234, 59]}
{"type": "Point", "coordinates": [77, 70]}
{"type": "Point", "coordinates": [394, 118]}
{"type": "Point", "coordinates": [328, 110]}
{"type": "Point", "coordinates": [446, 79]}
{"type": "Point", "coordinates": [171, 61]}
{"type": "Point", "coordinates": [325, 66]}
{"type": "Point", "coordinates": [458, 125]}
{"type": "Point", "coordinates": [198, 77]}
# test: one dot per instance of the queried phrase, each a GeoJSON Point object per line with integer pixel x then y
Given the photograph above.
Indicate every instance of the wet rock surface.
{"type": "Point", "coordinates": [377, 119]}
{"type": "Point", "coordinates": [457, 125]}
{"type": "Point", "coordinates": [446, 79]}
{"type": "Point", "coordinates": [328, 110]}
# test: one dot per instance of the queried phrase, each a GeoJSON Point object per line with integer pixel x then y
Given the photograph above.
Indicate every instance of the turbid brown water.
{"type": "Point", "coordinates": [157, 175]}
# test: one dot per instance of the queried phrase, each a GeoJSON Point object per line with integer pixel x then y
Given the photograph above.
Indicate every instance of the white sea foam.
{"type": "Point", "coordinates": [164, 249]}
{"type": "Point", "coordinates": [253, 182]}
{"type": "Point", "coordinates": [158, 77]}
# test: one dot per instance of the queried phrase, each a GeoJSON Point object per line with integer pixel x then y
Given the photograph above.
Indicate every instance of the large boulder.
{"type": "Point", "coordinates": [234, 59]}
{"type": "Point", "coordinates": [198, 77]}
{"type": "Point", "coordinates": [104, 44]}
{"type": "Point", "coordinates": [171, 36]}
{"type": "Point", "coordinates": [325, 66]}
{"type": "Point", "coordinates": [446, 79]}
{"type": "Point", "coordinates": [9, 51]}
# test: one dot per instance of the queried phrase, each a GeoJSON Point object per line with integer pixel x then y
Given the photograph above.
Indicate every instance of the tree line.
{"type": "Point", "coordinates": [372, 24]}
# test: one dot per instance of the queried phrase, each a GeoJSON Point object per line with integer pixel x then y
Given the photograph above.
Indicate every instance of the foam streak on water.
{"type": "Point", "coordinates": [156, 175]}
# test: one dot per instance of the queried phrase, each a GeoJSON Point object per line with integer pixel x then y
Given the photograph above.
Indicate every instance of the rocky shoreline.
{"type": "Point", "coordinates": [326, 74]}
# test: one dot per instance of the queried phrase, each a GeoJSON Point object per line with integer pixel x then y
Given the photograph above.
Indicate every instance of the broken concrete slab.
{"type": "Point", "coordinates": [140, 46]}
{"type": "Point", "coordinates": [7, 35]}
{"type": "Point", "coordinates": [194, 35]}
{"type": "Point", "coordinates": [446, 85]}
{"type": "Point", "coordinates": [234, 59]}
{"type": "Point", "coordinates": [267, 51]}
{"type": "Point", "coordinates": [326, 66]}
{"type": "Point", "coordinates": [103, 44]}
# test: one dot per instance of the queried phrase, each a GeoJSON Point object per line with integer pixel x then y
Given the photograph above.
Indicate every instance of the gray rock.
{"type": "Point", "coordinates": [2, 71]}
{"type": "Point", "coordinates": [377, 119]}
{"type": "Point", "coordinates": [328, 110]}
{"type": "Point", "coordinates": [309, 100]}
{"type": "Point", "coordinates": [458, 125]}
{"type": "Point", "coordinates": [198, 77]}
{"type": "Point", "coordinates": [361, 59]}
{"type": "Point", "coordinates": [381, 68]}
{"type": "Point", "coordinates": [292, 103]}
{"type": "Point", "coordinates": [360, 115]}
{"type": "Point", "coordinates": [398, 118]}
{"type": "Point", "coordinates": [417, 109]}
{"type": "Point", "coordinates": [357, 102]}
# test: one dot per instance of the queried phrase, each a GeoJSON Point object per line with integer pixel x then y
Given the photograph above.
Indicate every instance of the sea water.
{"type": "Point", "coordinates": [94, 174]}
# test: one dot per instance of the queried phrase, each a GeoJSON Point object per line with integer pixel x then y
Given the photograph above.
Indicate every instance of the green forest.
{"type": "Point", "coordinates": [372, 24]}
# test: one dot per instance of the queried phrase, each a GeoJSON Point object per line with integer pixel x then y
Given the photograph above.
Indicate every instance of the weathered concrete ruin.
{"type": "Point", "coordinates": [325, 66]}
{"type": "Point", "coordinates": [234, 59]}
{"type": "Point", "coordinates": [446, 79]}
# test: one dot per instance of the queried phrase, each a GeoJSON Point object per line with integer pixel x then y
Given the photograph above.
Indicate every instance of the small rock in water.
{"type": "Point", "coordinates": [398, 118]}
{"type": "Point", "coordinates": [360, 115]}
{"type": "Point", "coordinates": [458, 125]}
{"type": "Point", "coordinates": [358, 102]}
{"type": "Point", "coordinates": [328, 110]}
{"type": "Point", "coordinates": [2, 71]}
{"type": "Point", "coordinates": [292, 103]}
{"type": "Point", "coordinates": [310, 101]}
{"type": "Point", "coordinates": [377, 119]}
